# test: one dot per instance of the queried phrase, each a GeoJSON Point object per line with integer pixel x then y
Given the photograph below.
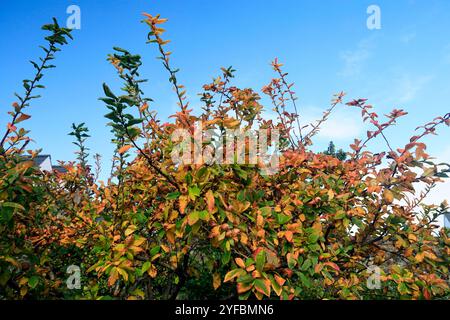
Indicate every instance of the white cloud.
{"type": "Point", "coordinates": [354, 59]}
{"type": "Point", "coordinates": [340, 125]}
{"type": "Point", "coordinates": [340, 128]}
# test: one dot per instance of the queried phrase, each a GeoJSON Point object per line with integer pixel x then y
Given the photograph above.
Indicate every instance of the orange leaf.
{"type": "Point", "coordinates": [240, 262]}
{"type": "Point", "coordinates": [124, 149]}
{"type": "Point", "coordinates": [144, 107]}
{"type": "Point", "coordinates": [22, 117]}
{"type": "Point", "coordinates": [419, 257]}
{"type": "Point", "coordinates": [263, 286]}
{"type": "Point", "coordinates": [279, 280]}
{"type": "Point", "coordinates": [11, 127]}
{"type": "Point", "coordinates": [426, 294]}
{"type": "Point", "coordinates": [388, 196]}
{"type": "Point", "coordinates": [289, 235]}
{"type": "Point", "coordinates": [332, 265]}
{"type": "Point", "coordinates": [113, 277]}
{"type": "Point", "coordinates": [183, 201]}
{"type": "Point", "coordinates": [242, 287]}
{"type": "Point", "coordinates": [210, 201]}
{"type": "Point", "coordinates": [318, 268]}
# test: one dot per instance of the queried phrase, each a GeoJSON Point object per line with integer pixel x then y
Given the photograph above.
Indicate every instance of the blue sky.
{"type": "Point", "coordinates": [325, 46]}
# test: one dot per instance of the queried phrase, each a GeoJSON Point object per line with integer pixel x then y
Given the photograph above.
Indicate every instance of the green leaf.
{"type": "Point", "coordinates": [282, 218]}
{"type": "Point", "coordinates": [146, 266]}
{"type": "Point", "coordinates": [203, 215]}
{"type": "Point", "coordinates": [313, 237]}
{"type": "Point", "coordinates": [173, 195]}
{"type": "Point", "coordinates": [233, 274]}
{"type": "Point", "coordinates": [340, 215]}
{"type": "Point", "coordinates": [194, 191]}
{"type": "Point", "coordinates": [306, 265]}
{"type": "Point", "coordinates": [261, 285]}
{"type": "Point", "coordinates": [13, 205]}
{"type": "Point", "coordinates": [33, 282]}
{"type": "Point", "coordinates": [226, 257]}
{"type": "Point", "coordinates": [193, 217]}
{"type": "Point", "coordinates": [241, 173]}
{"type": "Point", "coordinates": [154, 250]}
{"type": "Point", "coordinates": [108, 91]}
{"type": "Point", "coordinates": [403, 288]}
{"type": "Point", "coordinates": [260, 260]}
{"type": "Point", "coordinates": [291, 262]}
{"type": "Point", "coordinates": [305, 280]}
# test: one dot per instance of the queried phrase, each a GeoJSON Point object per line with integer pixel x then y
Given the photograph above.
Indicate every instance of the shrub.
{"type": "Point", "coordinates": [158, 229]}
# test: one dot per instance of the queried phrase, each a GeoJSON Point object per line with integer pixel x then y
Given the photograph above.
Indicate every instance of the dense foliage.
{"type": "Point", "coordinates": [163, 230]}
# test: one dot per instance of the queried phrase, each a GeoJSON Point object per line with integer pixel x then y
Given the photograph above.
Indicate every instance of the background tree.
{"type": "Point", "coordinates": [331, 151]}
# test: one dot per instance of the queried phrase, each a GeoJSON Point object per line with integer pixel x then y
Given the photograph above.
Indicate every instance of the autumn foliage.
{"type": "Point", "coordinates": [160, 230]}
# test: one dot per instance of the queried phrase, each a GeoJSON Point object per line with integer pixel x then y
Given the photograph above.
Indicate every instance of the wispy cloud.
{"type": "Point", "coordinates": [341, 128]}
{"type": "Point", "coordinates": [354, 60]}
{"type": "Point", "coordinates": [408, 37]}
{"type": "Point", "coordinates": [407, 87]}
{"type": "Point", "coordinates": [341, 124]}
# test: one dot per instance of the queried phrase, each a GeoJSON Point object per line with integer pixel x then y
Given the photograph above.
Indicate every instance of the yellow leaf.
{"type": "Point", "coordinates": [244, 238]}
{"type": "Point", "coordinates": [152, 272]}
{"type": "Point", "coordinates": [174, 261]}
{"type": "Point", "coordinates": [388, 196]}
{"type": "Point", "coordinates": [23, 291]}
{"type": "Point", "coordinates": [130, 230]}
{"type": "Point", "coordinates": [170, 236]}
{"type": "Point", "coordinates": [138, 241]}
{"type": "Point", "coordinates": [419, 257]}
{"type": "Point", "coordinates": [193, 218]}
{"type": "Point", "coordinates": [23, 281]}
{"type": "Point", "coordinates": [330, 194]}
{"type": "Point", "coordinates": [430, 255]}
{"type": "Point", "coordinates": [13, 262]}
{"type": "Point", "coordinates": [231, 123]}
{"type": "Point", "coordinates": [216, 281]}
{"type": "Point", "coordinates": [123, 273]}
{"type": "Point", "coordinates": [233, 274]}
